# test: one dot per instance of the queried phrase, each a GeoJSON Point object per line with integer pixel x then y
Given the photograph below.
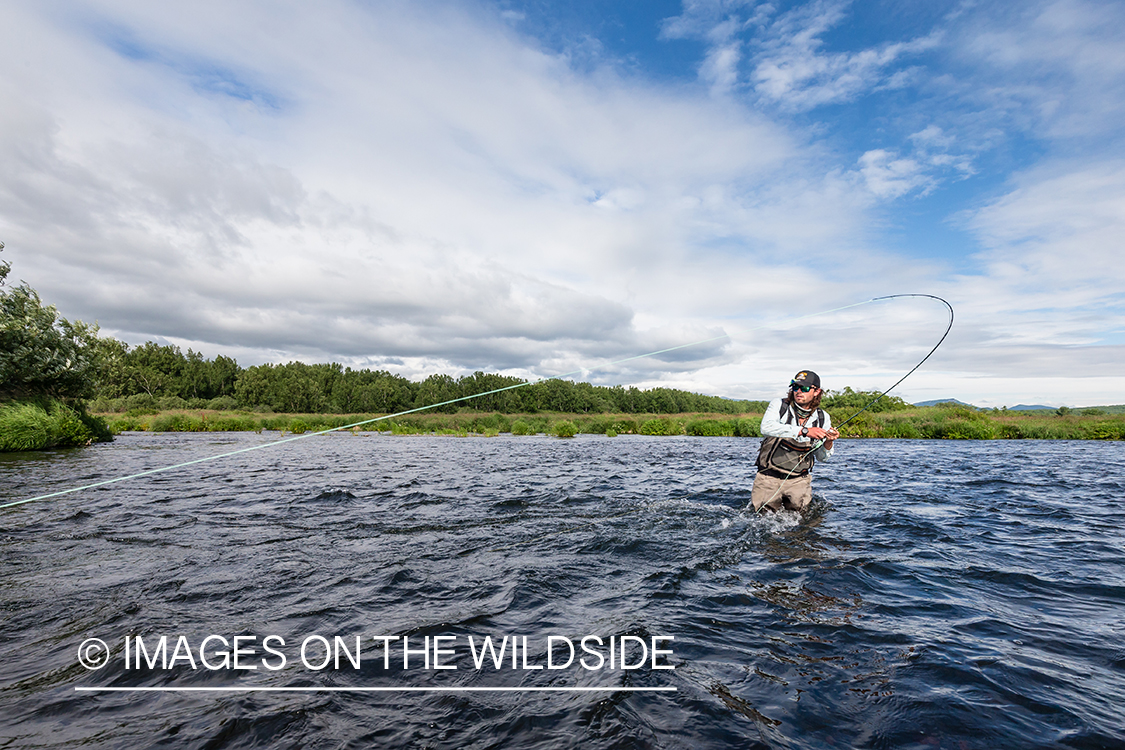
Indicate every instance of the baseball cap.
{"type": "Point", "coordinates": [806, 377]}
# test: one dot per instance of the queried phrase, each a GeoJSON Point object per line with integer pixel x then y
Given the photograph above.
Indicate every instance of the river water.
{"type": "Point", "coordinates": [946, 594]}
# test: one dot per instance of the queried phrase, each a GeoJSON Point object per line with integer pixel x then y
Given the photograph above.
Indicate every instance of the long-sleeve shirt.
{"type": "Point", "coordinates": [772, 426]}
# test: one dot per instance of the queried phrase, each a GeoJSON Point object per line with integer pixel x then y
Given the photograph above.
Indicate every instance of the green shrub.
{"type": "Point", "coordinates": [900, 428]}
{"type": "Point", "coordinates": [661, 427]}
{"type": "Point", "coordinates": [711, 428]}
{"type": "Point", "coordinates": [177, 422]}
{"type": "Point", "coordinates": [1010, 432]}
{"type": "Point", "coordinates": [141, 403]}
{"type": "Point", "coordinates": [624, 426]}
{"type": "Point", "coordinates": [564, 429]}
{"type": "Point", "coordinates": [298, 427]}
{"type": "Point", "coordinates": [117, 425]}
{"type": "Point", "coordinates": [747, 428]}
{"type": "Point", "coordinates": [964, 429]}
{"type": "Point", "coordinates": [236, 423]}
{"type": "Point", "coordinates": [106, 405]}
{"type": "Point", "coordinates": [611, 432]}
{"type": "Point", "coordinates": [1104, 431]}
{"type": "Point", "coordinates": [222, 403]}
{"type": "Point", "coordinates": [520, 427]}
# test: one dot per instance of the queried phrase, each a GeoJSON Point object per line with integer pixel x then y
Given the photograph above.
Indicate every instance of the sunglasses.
{"type": "Point", "coordinates": [801, 388]}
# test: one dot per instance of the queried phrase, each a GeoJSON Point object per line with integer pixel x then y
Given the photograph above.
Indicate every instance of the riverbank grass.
{"type": "Point", "coordinates": [48, 423]}
{"type": "Point", "coordinates": [919, 423]}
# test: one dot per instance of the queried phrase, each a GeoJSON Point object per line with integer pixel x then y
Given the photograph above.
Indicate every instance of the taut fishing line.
{"type": "Point", "coordinates": [478, 395]}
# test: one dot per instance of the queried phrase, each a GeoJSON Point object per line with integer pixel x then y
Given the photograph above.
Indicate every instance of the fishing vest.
{"type": "Point", "coordinates": [783, 456]}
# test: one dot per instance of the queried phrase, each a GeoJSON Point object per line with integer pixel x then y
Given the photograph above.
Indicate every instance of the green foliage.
{"type": "Point", "coordinates": [176, 422]}
{"type": "Point", "coordinates": [41, 352]}
{"type": "Point", "coordinates": [711, 428]}
{"type": "Point", "coordinates": [437, 389]}
{"type": "Point", "coordinates": [748, 427]}
{"type": "Point", "coordinates": [564, 429]}
{"type": "Point", "coordinates": [301, 388]}
{"type": "Point", "coordinates": [520, 427]}
{"type": "Point", "coordinates": [24, 427]}
{"type": "Point", "coordinates": [661, 427]}
{"type": "Point", "coordinates": [47, 423]}
{"type": "Point", "coordinates": [162, 371]}
{"type": "Point", "coordinates": [222, 403]}
{"type": "Point", "coordinates": [848, 402]}
{"type": "Point", "coordinates": [900, 428]}
{"type": "Point", "coordinates": [117, 425]}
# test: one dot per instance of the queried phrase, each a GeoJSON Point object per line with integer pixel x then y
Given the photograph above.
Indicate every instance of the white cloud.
{"type": "Point", "coordinates": [1058, 67]}
{"type": "Point", "coordinates": [789, 66]}
{"type": "Point", "coordinates": [888, 176]}
{"type": "Point", "coordinates": [420, 185]}
{"type": "Point", "coordinates": [1060, 233]}
{"type": "Point", "coordinates": [793, 70]}
{"type": "Point", "coordinates": [416, 186]}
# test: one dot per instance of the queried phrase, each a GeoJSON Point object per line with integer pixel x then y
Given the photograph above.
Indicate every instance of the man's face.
{"type": "Point", "coordinates": [804, 398]}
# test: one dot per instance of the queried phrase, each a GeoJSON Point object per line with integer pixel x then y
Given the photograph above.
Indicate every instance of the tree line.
{"type": "Point", "coordinates": [165, 372]}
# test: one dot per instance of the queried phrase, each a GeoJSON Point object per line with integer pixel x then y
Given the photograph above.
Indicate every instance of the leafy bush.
{"type": "Point", "coordinates": [222, 403]}
{"type": "Point", "coordinates": [141, 403]}
{"type": "Point", "coordinates": [41, 352]}
{"type": "Point", "coordinates": [661, 427]}
{"type": "Point", "coordinates": [901, 428]}
{"type": "Point", "coordinates": [520, 427]}
{"type": "Point", "coordinates": [166, 403]}
{"type": "Point", "coordinates": [747, 428]}
{"type": "Point", "coordinates": [564, 429]}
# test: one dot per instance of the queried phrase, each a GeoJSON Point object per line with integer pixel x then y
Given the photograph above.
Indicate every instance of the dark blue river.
{"type": "Point", "coordinates": [947, 594]}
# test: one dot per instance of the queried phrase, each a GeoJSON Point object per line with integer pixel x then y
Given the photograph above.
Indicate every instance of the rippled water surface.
{"type": "Point", "coordinates": [939, 594]}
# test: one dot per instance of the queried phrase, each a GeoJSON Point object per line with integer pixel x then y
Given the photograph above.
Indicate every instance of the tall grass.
{"type": "Point", "coordinates": [47, 423]}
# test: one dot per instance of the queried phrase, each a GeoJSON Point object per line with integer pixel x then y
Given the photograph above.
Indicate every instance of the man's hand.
{"type": "Point", "coordinates": [819, 433]}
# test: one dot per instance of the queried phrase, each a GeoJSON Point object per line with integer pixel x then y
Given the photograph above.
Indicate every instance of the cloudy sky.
{"type": "Point", "coordinates": [539, 187]}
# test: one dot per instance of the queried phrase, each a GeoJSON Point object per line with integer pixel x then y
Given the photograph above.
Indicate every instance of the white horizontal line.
{"type": "Point", "coordinates": [372, 689]}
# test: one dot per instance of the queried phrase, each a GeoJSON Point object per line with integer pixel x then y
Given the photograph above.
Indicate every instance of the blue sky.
{"type": "Point", "coordinates": [538, 187]}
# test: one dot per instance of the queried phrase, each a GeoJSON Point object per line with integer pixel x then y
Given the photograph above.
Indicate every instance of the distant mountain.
{"type": "Point", "coordinates": [1077, 410]}
{"type": "Point", "coordinates": [937, 401]}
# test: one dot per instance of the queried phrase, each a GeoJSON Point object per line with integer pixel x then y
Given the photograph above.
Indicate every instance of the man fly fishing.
{"type": "Point", "coordinates": [796, 433]}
